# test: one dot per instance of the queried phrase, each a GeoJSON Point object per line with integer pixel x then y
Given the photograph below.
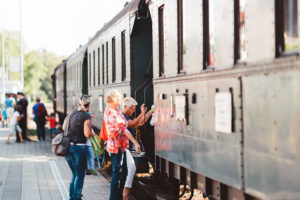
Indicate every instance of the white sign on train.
{"type": "Point", "coordinates": [223, 115]}
{"type": "Point", "coordinates": [180, 108]}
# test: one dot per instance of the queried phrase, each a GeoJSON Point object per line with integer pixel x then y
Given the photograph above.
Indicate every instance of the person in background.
{"type": "Point", "coordinates": [41, 115]}
{"type": "Point", "coordinates": [117, 143]}
{"type": "Point", "coordinates": [129, 107]}
{"type": "Point", "coordinates": [14, 127]}
{"type": "Point", "coordinates": [4, 118]}
{"type": "Point", "coordinates": [34, 108]}
{"type": "Point", "coordinates": [23, 121]}
{"type": "Point", "coordinates": [80, 128]}
{"type": "Point", "coordinates": [52, 122]}
{"type": "Point", "coordinates": [10, 104]}
{"type": "Point", "coordinates": [90, 155]}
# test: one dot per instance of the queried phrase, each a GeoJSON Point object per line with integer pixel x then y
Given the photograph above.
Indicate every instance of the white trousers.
{"type": "Point", "coordinates": [130, 169]}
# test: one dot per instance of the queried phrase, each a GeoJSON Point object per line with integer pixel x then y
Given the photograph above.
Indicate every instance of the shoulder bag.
{"type": "Point", "coordinates": [61, 142]}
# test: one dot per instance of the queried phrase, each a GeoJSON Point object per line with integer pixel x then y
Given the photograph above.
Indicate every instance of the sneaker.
{"type": "Point", "coordinates": [88, 172]}
{"type": "Point", "coordinates": [93, 172]}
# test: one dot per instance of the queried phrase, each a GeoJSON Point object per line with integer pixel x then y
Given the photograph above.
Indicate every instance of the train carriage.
{"type": "Point", "coordinates": [224, 76]}
{"type": "Point", "coordinates": [120, 57]}
{"type": "Point", "coordinates": [76, 77]}
{"type": "Point", "coordinates": [59, 78]}
{"type": "Point", "coordinates": [226, 80]}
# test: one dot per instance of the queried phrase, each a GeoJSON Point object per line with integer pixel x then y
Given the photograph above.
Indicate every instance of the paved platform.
{"type": "Point", "coordinates": [30, 171]}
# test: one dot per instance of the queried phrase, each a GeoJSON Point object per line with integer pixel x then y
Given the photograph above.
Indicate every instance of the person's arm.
{"type": "Point", "coordinates": [131, 138]}
{"type": "Point", "coordinates": [87, 128]}
{"type": "Point", "coordinates": [135, 122]}
{"type": "Point", "coordinates": [32, 111]}
{"type": "Point", "coordinates": [147, 116]}
{"type": "Point", "coordinates": [64, 124]}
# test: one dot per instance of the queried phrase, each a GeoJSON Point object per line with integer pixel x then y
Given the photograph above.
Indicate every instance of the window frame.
{"type": "Point", "coordinates": [98, 65]}
{"type": "Point", "coordinates": [113, 59]}
{"type": "Point", "coordinates": [161, 37]}
{"type": "Point", "coordinates": [180, 35]}
{"type": "Point", "coordinates": [90, 70]}
{"type": "Point", "coordinates": [123, 47]}
{"type": "Point", "coordinates": [107, 81]}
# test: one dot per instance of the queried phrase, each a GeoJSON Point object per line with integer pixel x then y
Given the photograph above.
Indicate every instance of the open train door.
{"type": "Point", "coordinates": [142, 70]}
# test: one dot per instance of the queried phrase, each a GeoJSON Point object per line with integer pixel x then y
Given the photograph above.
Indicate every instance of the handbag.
{"type": "Point", "coordinates": [61, 142]}
{"type": "Point", "coordinates": [140, 159]}
{"type": "Point", "coordinates": [103, 132]}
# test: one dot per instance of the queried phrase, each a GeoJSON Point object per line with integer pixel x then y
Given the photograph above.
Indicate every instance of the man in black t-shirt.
{"type": "Point", "coordinates": [23, 122]}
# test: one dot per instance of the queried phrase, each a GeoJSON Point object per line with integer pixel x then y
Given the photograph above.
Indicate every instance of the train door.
{"type": "Point", "coordinates": [84, 76]}
{"type": "Point", "coordinates": [142, 75]}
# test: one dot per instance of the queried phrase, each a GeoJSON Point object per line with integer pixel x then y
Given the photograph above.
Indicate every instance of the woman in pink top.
{"type": "Point", "coordinates": [117, 143]}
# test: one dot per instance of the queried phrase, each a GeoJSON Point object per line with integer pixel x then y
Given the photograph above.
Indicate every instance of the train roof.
{"type": "Point", "coordinates": [60, 65]}
{"type": "Point", "coordinates": [131, 7]}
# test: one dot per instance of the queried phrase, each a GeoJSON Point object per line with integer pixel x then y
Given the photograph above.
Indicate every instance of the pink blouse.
{"type": "Point", "coordinates": [116, 126]}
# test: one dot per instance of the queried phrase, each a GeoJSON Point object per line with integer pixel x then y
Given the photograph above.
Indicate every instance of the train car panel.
{"type": "Point", "coordinates": [170, 38]}
{"type": "Point", "coordinates": [271, 118]}
{"type": "Point", "coordinates": [153, 7]}
{"type": "Point", "coordinates": [260, 30]}
{"type": "Point", "coordinates": [194, 143]}
{"type": "Point", "coordinates": [221, 21]}
{"type": "Point", "coordinates": [192, 40]}
{"type": "Point", "coordinates": [60, 88]}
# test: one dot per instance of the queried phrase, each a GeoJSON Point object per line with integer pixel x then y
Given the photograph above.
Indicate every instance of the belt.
{"type": "Point", "coordinates": [78, 144]}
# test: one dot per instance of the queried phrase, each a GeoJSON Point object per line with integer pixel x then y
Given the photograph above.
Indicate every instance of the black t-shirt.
{"type": "Point", "coordinates": [76, 125]}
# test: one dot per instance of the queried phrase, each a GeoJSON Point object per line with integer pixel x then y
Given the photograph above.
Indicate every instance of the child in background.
{"type": "Point", "coordinates": [4, 118]}
{"type": "Point", "coordinates": [90, 155]}
{"type": "Point", "coordinates": [52, 121]}
{"type": "Point", "coordinates": [14, 127]}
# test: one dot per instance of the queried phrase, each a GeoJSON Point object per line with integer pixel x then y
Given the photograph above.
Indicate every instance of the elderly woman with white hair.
{"type": "Point", "coordinates": [117, 143]}
{"type": "Point", "coordinates": [79, 131]}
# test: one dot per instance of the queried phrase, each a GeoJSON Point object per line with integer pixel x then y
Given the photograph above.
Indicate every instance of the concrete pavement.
{"type": "Point", "coordinates": [30, 171]}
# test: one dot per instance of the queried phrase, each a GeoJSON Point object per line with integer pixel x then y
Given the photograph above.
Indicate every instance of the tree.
{"type": "Point", "coordinates": [38, 67]}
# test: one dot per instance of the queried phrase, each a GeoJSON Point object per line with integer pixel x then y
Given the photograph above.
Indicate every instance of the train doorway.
{"type": "Point", "coordinates": [142, 75]}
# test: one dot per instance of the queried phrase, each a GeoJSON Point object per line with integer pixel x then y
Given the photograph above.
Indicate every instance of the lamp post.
{"type": "Point", "coordinates": [3, 61]}
{"type": "Point", "coordinates": [21, 49]}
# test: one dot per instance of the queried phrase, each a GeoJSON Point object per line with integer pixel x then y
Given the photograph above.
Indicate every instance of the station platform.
{"type": "Point", "coordinates": [30, 171]}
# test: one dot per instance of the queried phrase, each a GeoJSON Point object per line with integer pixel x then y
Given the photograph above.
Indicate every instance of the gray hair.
{"type": "Point", "coordinates": [84, 101]}
{"type": "Point", "coordinates": [129, 101]}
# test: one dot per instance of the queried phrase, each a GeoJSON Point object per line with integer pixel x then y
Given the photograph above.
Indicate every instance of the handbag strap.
{"type": "Point", "coordinates": [67, 126]}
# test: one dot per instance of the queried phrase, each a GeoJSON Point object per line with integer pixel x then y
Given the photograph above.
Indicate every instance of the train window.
{"type": "Point", "coordinates": [103, 64]}
{"type": "Point", "coordinates": [161, 40]}
{"type": "Point", "coordinates": [113, 58]}
{"type": "Point", "coordinates": [286, 26]}
{"type": "Point", "coordinates": [123, 45]}
{"type": "Point", "coordinates": [239, 31]}
{"type": "Point", "coordinates": [80, 75]}
{"type": "Point", "coordinates": [208, 33]}
{"type": "Point", "coordinates": [106, 62]}
{"type": "Point", "coordinates": [98, 65]}
{"type": "Point", "coordinates": [94, 67]}
{"type": "Point", "coordinates": [180, 35]}
{"type": "Point", "coordinates": [90, 68]}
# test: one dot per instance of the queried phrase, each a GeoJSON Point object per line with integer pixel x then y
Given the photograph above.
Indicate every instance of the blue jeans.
{"type": "Point", "coordinates": [77, 161]}
{"type": "Point", "coordinates": [90, 155]}
{"type": "Point", "coordinates": [40, 128]}
{"type": "Point", "coordinates": [118, 176]}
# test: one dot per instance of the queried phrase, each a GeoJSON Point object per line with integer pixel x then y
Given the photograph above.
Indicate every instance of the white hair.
{"type": "Point", "coordinates": [129, 101]}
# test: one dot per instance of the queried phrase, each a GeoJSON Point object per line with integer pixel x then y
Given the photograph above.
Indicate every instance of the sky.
{"type": "Point", "coordinates": [58, 26]}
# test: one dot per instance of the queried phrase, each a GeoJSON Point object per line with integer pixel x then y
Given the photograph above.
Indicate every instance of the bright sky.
{"type": "Point", "coordinates": [59, 26]}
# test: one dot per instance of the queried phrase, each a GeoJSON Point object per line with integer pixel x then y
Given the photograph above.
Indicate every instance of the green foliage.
{"type": "Point", "coordinates": [38, 67]}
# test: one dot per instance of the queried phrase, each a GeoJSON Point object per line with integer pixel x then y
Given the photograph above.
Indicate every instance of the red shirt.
{"type": "Point", "coordinates": [52, 122]}
{"type": "Point", "coordinates": [116, 126]}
